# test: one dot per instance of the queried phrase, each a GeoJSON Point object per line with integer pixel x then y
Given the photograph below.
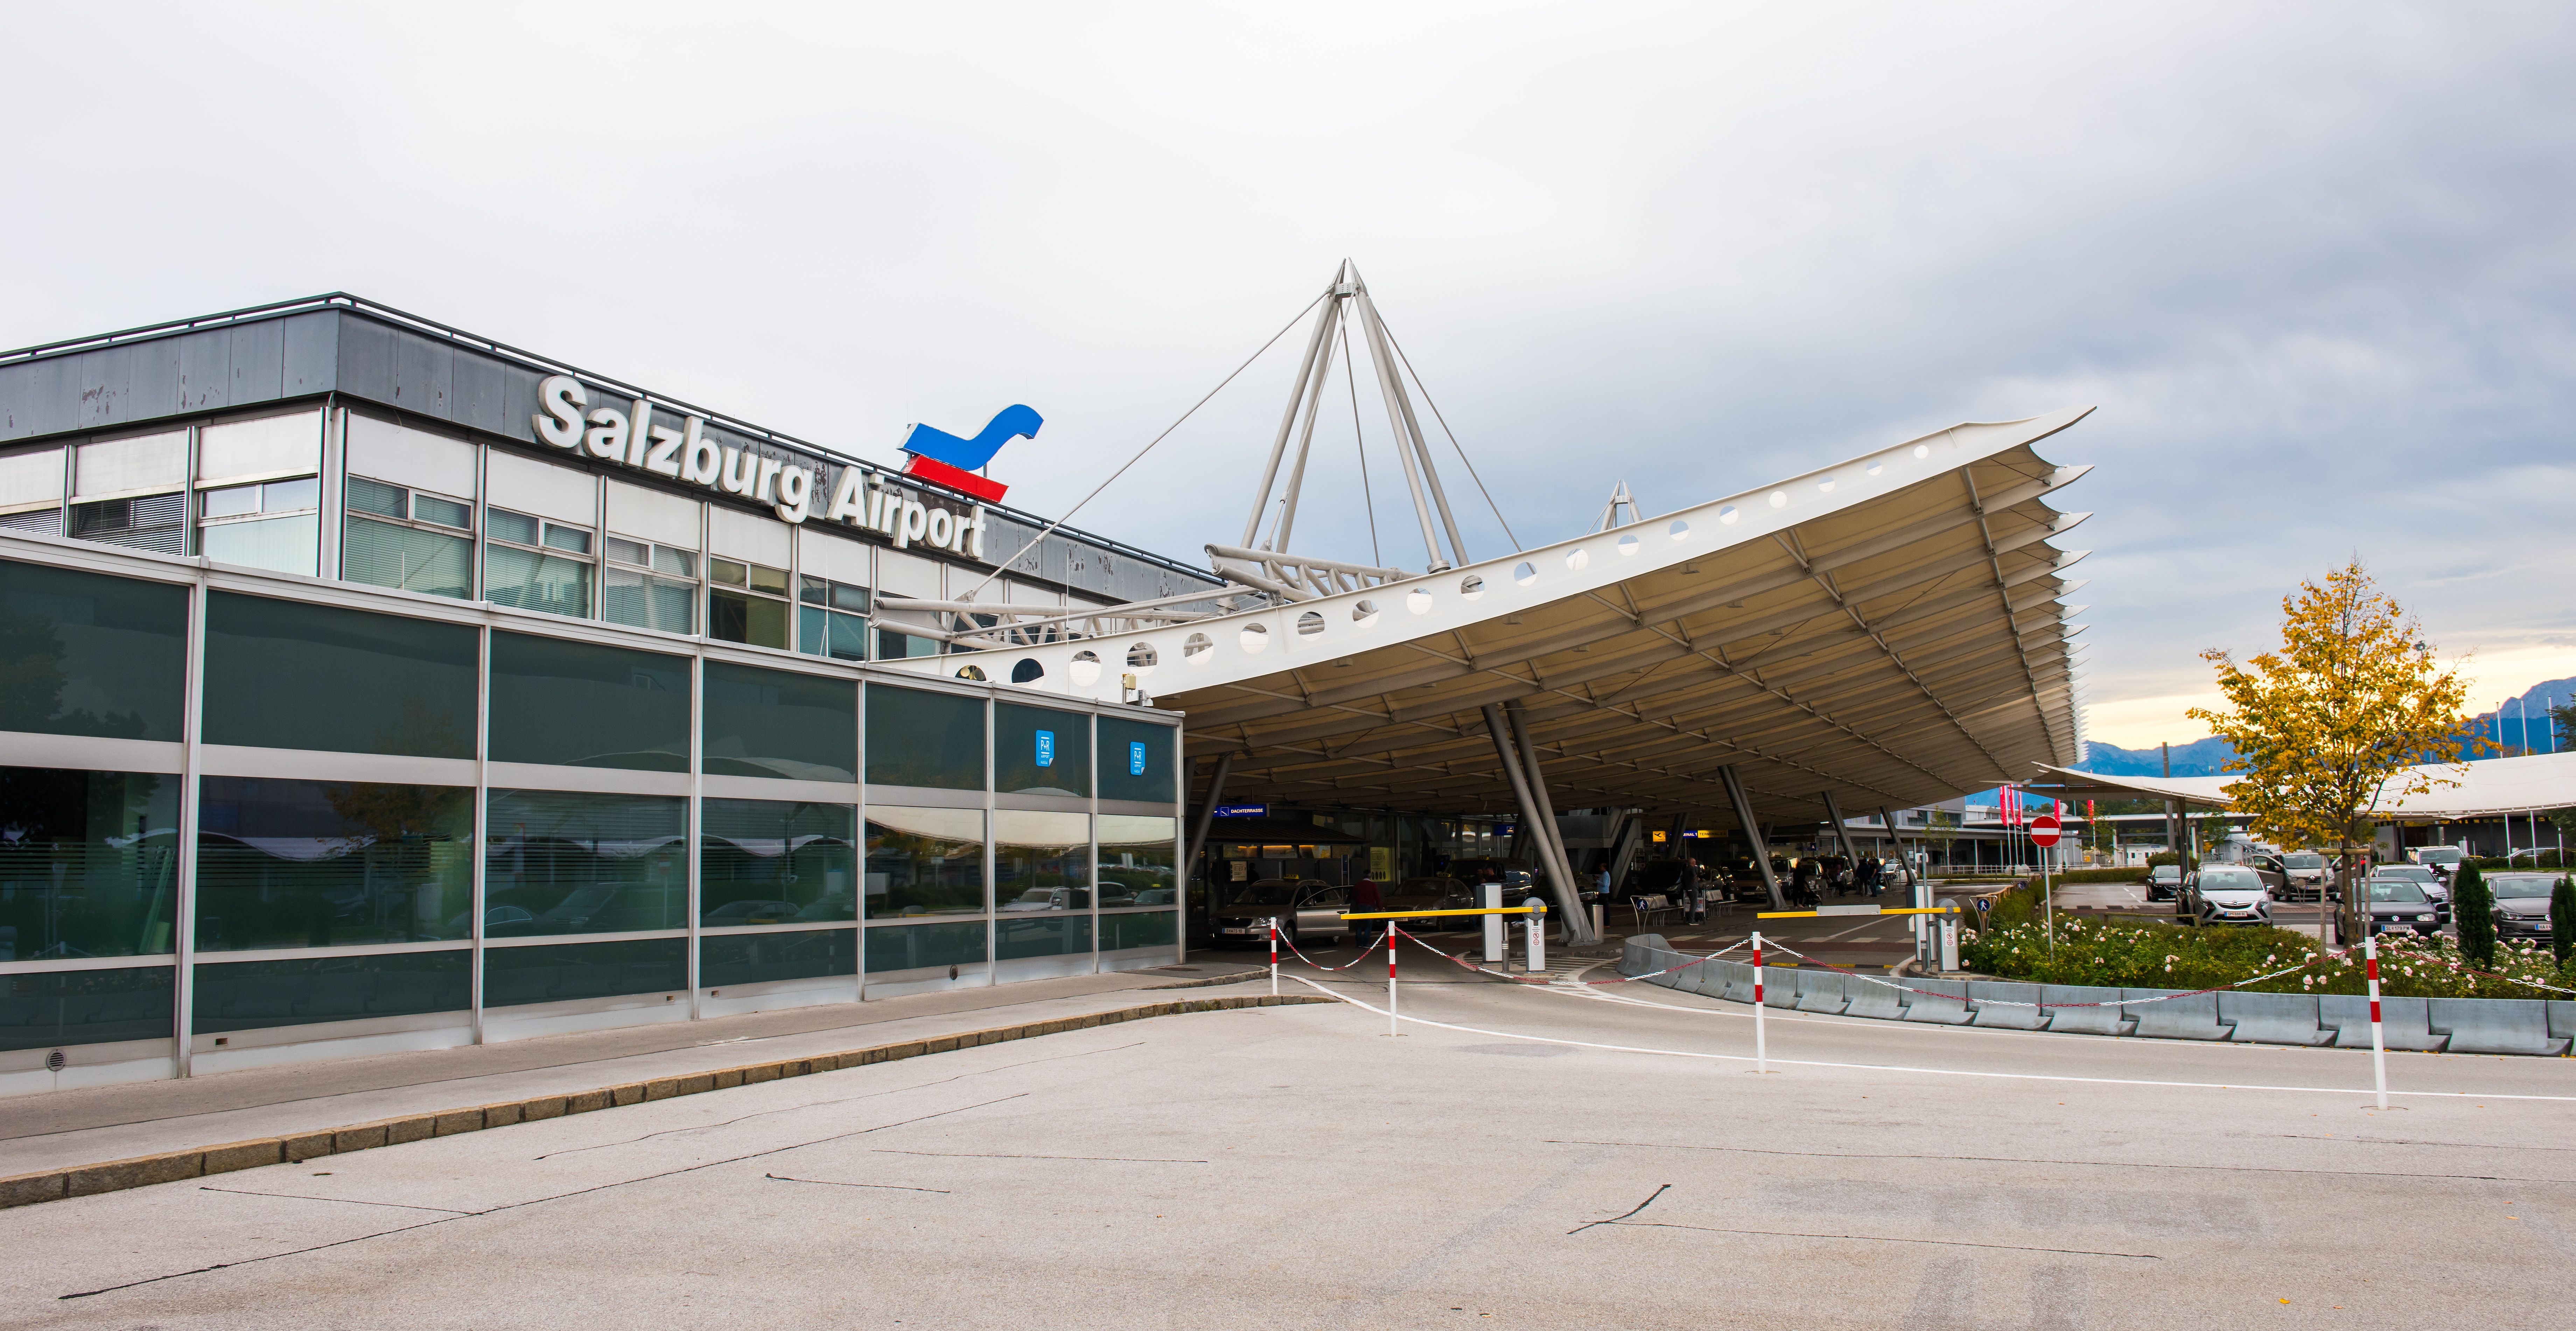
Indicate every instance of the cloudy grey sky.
{"type": "Point", "coordinates": [2313, 262]}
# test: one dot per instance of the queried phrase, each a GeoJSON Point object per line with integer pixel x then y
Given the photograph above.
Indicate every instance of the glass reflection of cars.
{"type": "Point", "coordinates": [1050, 898]}
{"type": "Point", "coordinates": [751, 912]}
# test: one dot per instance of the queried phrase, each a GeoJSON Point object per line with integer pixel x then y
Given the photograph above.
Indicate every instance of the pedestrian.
{"type": "Point", "coordinates": [1364, 899]}
{"type": "Point", "coordinates": [1694, 897]}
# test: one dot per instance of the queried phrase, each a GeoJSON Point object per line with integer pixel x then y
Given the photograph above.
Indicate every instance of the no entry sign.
{"type": "Point", "coordinates": [2043, 830]}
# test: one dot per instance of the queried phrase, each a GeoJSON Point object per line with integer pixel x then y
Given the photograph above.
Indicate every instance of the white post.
{"type": "Point", "coordinates": [1761, 1052]}
{"type": "Point", "coordinates": [1274, 956]}
{"type": "Point", "coordinates": [1537, 935]}
{"type": "Point", "coordinates": [2378, 1049]}
{"type": "Point", "coordinates": [1390, 976]}
{"type": "Point", "coordinates": [1498, 946]}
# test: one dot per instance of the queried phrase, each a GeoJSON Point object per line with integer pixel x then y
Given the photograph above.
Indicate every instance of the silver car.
{"type": "Point", "coordinates": [2307, 873]}
{"type": "Point", "coordinates": [1306, 908]}
{"type": "Point", "coordinates": [2522, 903]}
{"type": "Point", "coordinates": [2225, 894]}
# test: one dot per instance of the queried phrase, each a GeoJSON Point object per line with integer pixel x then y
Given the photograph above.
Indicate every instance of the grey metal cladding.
{"type": "Point", "coordinates": [153, 390]}
{"type": "Point", "coordinates": [206, 369]}
{"type": "Point", "coordinates": [480, 395]}
{"type": "Point", "coordinates": [259, 362]}
{"type": "Point", "coordinates": [424, 374]}
{"type": "Point", "coordinates": [312, 353]}
{"type": "Point", "coordinates": [44, 397]}
{"type": "Point", "coordinates": [16, 383]}
{"type": "Point", "coordinates": [101, 378]}
{"type": "Point", "coordinates": [367, 360]}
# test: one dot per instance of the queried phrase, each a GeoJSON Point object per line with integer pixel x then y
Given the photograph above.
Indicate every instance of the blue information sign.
{"type": "Point", "coordinates": [1046, 748]}
{"type": "Point", "coordinates": [1136, 757]}
{"type": "Point", "coordinates": [1243, 811]}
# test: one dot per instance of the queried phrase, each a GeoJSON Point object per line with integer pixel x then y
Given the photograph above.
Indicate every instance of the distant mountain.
{"type": "Point", "coordinates": [2505, 724]}
{"type": "Point", "coordinates": [2201, 757]}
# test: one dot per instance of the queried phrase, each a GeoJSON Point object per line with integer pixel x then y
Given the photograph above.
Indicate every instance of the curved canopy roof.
{"type": "Point", "coordinates": [1888, 630]}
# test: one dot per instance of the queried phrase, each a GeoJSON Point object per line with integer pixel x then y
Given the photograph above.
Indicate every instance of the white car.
{"type": "Point", "coordinates": [2225, 894]}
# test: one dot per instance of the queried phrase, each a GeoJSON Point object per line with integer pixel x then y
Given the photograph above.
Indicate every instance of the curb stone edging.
{"type": "Point", "coordinates": [296, 1147]}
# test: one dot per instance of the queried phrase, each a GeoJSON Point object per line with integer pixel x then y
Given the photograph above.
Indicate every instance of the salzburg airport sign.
{"type": "Point", "coordinates": [685, 452]}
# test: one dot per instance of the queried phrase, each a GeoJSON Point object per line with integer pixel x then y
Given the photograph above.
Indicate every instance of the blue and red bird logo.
{"type": "Point", "coordinates": [943, 457]}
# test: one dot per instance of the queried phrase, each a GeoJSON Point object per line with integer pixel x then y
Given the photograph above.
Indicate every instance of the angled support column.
{"type": "Point", "coordinates": [1578, 927]}
{"type": "Point", "coordinates": [1753, 833]}
{"type": "Point", "coordinates": [1198, 834]}
{"type": "Point", "coordinates": [1536, 825]}
{"type": "Point", "coordinates": [1834, 810]}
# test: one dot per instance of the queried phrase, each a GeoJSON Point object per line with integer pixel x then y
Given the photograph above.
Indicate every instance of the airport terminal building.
{"type": "Point", "coordinates": [367, 686]}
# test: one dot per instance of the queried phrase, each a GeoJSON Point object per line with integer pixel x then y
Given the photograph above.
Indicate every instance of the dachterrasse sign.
{"type": "Point", "coordinates": [684, 452]}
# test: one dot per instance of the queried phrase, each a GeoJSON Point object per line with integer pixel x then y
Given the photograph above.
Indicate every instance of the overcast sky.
{"type": "Point", "coordinates": [2312, 262]}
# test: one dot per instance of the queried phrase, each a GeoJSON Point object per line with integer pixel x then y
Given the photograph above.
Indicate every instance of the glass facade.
{"type": "Point", "coordinates": [89, 864]}
{"type": "Point", "coordinates": [778, 723]}
{"type": "Point", "coordinates": [920, 738]}
{"type": "Point", "coordinates": [776, 862]}
{"type": "Point", "coordinates": [562, 862]}
{"type": "Point", "coordinates": [585, 704]}
{"type": "Point", "coordinates": [289, 675]}
{"type": "Point", "coordinates": [1040, 750]}
{"type": "Point", "coordinates": [1139, 761]}
{"type": "Point", "coordinates": [88, 654]}
{"type": "Point", "coordinates": [316, 899]}
{"type": "Point", "coordinates": [330, 864]}
{"type": "Point", "coordinates": [1138, 861]}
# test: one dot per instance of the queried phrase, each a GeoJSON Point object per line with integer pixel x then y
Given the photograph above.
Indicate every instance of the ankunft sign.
{"type": "Point", "coordinates": [686, 453]}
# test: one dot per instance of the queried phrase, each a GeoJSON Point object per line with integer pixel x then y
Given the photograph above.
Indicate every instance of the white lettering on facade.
{"type": "Point", "coordinates": [632, 438]}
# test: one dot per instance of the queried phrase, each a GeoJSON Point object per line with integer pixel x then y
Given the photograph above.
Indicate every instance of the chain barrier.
{"type": "Point", "coordinates": [1526, 979]}
{"type": "Point", "coordinates": [1289, 941]}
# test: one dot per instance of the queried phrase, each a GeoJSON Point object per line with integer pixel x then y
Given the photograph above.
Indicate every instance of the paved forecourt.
{"type": "Point", "coordinates": [1296, 1166]}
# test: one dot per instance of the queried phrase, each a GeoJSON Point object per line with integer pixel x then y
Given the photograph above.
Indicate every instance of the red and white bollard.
{"type": "Point", "coordinates": [1390, 978]}
{"type": "Point", "coordinates": [2378, 1050]}
{"type": "Point", "coordinates": [1274, 956]}
{"type": "Point", "coordinates": [1761, 1055]}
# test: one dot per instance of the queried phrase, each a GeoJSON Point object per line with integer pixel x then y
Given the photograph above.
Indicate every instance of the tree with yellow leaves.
{"type": "Point", "coordinates": [2345, 715]}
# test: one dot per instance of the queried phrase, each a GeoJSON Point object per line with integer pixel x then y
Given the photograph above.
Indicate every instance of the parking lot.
{"type": "Point", "coordinates": [1293, 1167]}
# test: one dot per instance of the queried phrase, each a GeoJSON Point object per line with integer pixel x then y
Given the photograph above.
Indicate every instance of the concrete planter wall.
{"type": "Point", "coordinates": [2441, 1025]}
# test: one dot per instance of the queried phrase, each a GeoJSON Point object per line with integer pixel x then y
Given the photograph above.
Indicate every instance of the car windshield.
{"type": "Point", "coordinates": [2164, 871]}
{"type": "Point", "coordinates": [2229, 880]}
{"type": "Point", "coordinates": [2443, 856]}
{"type": "Point", "coordinates": [2526, 885]}
{"type": "Point", "coordinates": [2396, 889]}
{"type": "Point", "coordinates": [2305, 862]}
{"type": "Point", "coordinates": [2413, 873]}
{"type": "Point", "coordinates": [1273, 893]}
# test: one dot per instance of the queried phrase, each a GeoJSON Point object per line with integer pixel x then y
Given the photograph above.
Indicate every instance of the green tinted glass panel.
{"type": "Point", "coordinates": [780, 724]}
{"type": "Point", "coordinates": [1040, 936]}
{"type": "Point", "coordinates": [1139, 761]}
{"type": "Point", "coordinates": [1161, 928]}
{"type": "Point", "coordinates": [924, 861]}
{"type": "Point", "coordinates": [576, 863]}
{"type": "Point", "coordinates": [52, 1009]}
{"type": "Point", "coordinates": [580, 704]}
{"type": "Point", "coordinates": [247, 995]}
{"type": "Point", "coordinates": [648, 602]}
{"type": "Point", "coordinates": [776, 862]}
{"type": "Point", "coordinates": [907, 947]}
{"type": "Point", "coordinates": [331, 864]}
{"type": "Point", "coordinates": [1136, 859]}
{"type": "Point", "coordinates": [87, 654]}
{"type": "Point", "coordinates": [283, 675]}
{"type": "Point", "coordinates": [1041, 751]}
{"type": "Point", "coordinates": [531, 581]}
{"type": "Point", "coordinates": [387, 555]}
{"type": "Point", "coordinates": [807, 954]}
{"type": "Point", "coordinates": [88, 863]}
{"type": "Point", "coordinates": [737, 617]}
{"type": "Point", "coordinates": [919, 738]}
{"type": "Point", "coordinates": [513, 976]}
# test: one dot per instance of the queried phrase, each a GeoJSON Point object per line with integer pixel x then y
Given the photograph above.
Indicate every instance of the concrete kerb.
{"type": "Point", "coordinates": [295, 1148]}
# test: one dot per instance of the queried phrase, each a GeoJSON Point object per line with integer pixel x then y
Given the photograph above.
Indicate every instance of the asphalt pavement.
{"type": "Point", "coordinates": [1558, 1154]}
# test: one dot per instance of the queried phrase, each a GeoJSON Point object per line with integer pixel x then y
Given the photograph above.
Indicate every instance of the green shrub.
{"type": "Point", "coordinates": [2562, 920]}
{"type": "Point", "coordinates": [2473, 915]}
{"type": "Point", "coordinates": [2164, 956]}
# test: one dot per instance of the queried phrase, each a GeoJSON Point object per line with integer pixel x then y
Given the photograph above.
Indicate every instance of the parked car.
{"type": "Point", "coordinates": [2225, 894]}
{"type": "Point", "coordinates": [1434, 892]}
{"type": "Point", "coordinates": [2270, 868]}
{"type": "Point", "coordinates": [2304, 876]}
{"type": "Point", "coordinates": [1307, 909]}
{"type": "Point", "coordinates": [2522, 903]}
{"type": "Point", "coordinates": [2434, 887]}
{"type": "Point", "coordinates": [2164, 882]}
{"type": "Point", "coordinates": [1049, 898]}
{"type": "Point", "coordinates": [2400, 903]}
{"type": "Point", "coordinates": [2442, 860]}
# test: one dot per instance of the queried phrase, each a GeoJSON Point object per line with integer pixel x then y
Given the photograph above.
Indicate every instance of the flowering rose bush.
{"type": "Point", "coordinates": [2162, 956]}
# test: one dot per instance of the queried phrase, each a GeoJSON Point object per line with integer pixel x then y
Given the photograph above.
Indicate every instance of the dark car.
{"type": "Point", "coordinates": [2435, 889]}
{"type": "Point", "coordinates": [1436, 892]}
{"type": "Point", "coordinates": [2522, 903]}
{"type": "Point", "coordinates": [1308, 910]}
{"type": "Point", "coordinates": [2164, 882]}
{"type": "Point", "coordinates": [2397, 903]}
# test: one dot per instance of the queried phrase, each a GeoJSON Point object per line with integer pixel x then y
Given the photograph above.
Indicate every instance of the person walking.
{"type": "Point", "coordinates": [1694, 896]}
{"type": "Point", "coordinates": [1365, 898]}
